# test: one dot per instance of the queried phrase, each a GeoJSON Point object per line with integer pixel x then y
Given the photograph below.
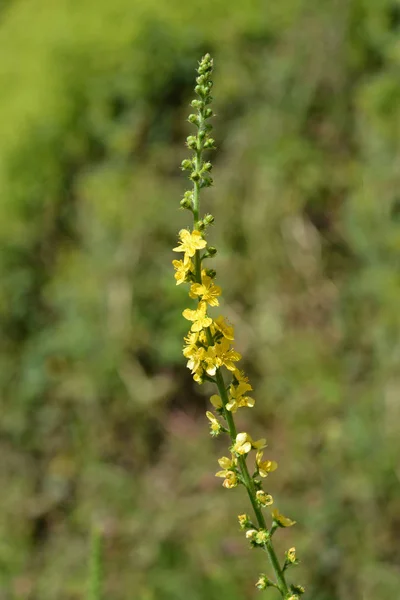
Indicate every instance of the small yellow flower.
{"type": "Point", "coordinates": [195, 359]}
{"type": "Point", "coordinates": [263, 498]}
{"type": "Point", "coordinates": [291, 556]}
{"type": "Point", "coordinates": [262, 536]}
{"type": "Point", "coordinates": [230, 478]}
{"type": "Point", "coordinates": [182, 270]}
{"type": "Point", "coordinates": [265, 466]}
{"type": "Point", "coordinates": [240, 376]}
{"type": "Point", "coordinates": [242, 444]}
{"type": "Point", "coordinates": [226, 355]}
{"type": "Point", "coordinates": [198, 316]}
{"type": "Point", "coordinates": [211, 361]}
{"type": "Point", "coordinates": [190, 242]}
{"type": "Point", "coordinates": [238, 397]}
{"type": "Point", "coordinates": [216, 401]}
{"type": "Point", "coordinates": [215, 425]}
{"type": "Point", "coordinates": [207, 290]}
{"type": "Point", "coordinates": [226, 330]}
{"type": "Point", "coordinates": [264, 582]}
{"type": "Point", "coordinates": [244, 521]}
{"type": "Point", "coordinates": [227, 463]}
{"type": "Point", "coordinates": [281, 520]}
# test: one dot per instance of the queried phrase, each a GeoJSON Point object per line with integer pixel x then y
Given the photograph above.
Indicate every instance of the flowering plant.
{"type": "Point", "coordinates": [209, 351]}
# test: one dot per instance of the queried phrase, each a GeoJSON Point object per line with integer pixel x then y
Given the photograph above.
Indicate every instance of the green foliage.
{"type": "Point", "coordinates": [97, 414]}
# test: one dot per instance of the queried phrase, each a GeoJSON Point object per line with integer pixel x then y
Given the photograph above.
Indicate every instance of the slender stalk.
{"type": "Point", "coordinates": [249, 483]}
{"type": "Point", "coordinates": [208, 347]}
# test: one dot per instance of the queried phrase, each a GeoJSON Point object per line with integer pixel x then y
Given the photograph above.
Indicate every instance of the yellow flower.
{"type": "Point", "coordinates": [190, 242]}
{"type": "Point", "coordinates": [207, 290]}
{"type": "Point", "coordinates": [230, 478]}
{"type": "Point", "coordinates": [227, 463]}
{"type": "Point", "coordinates": [216, 401]}
{"type": "Point", "coordinates": [237, 398]}
{"type": "Point", "coordinates": [291, 556]}
{"type": "Point", "coordinates": [211, 360]}
{"type": "Point", "coordinates": [262, 536]}
{"type": "Point", "coordinates": [226, 330]}
{"type": "Point", "coordinates": [244, 521]}
{"type": "Point", "coordinates": [241, 377]}
{"type": "Point", "coordinates": [195, 359]}
{"type": "Point", "coordinates": [226, 355]}
{"type": "Point", "coordinates": [265, 466]}
{"type": "Point", "coordinates": [281, 520]}
{"type": "Point", "coordinates": [263, 498]}
{"type": "Point", "coordinates": [215, 425]}
{"type": "Point", "coordinates": [264, 582]}
{"type": "Point", "coordinates": [198, 316]}
{"type": "Point", "coordinates": [242, 444]}
{"type": "Point", "coordinates": [182, 270]}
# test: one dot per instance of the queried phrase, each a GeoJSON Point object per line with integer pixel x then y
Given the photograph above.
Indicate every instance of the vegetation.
{"type": "Point", "coordinates": [99, 420]}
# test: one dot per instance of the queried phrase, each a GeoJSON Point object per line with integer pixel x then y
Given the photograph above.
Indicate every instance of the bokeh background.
{"type": "Point", "coordinates": [100, 422]}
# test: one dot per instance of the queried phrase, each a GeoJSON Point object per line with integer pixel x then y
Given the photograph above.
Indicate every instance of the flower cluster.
{"type": "Point", "coordinates": [209, 346]}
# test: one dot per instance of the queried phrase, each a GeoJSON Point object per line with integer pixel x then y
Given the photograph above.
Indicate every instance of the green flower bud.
{"type": "Point", "coordinates": [202, 134]}
{"type": "Point", "coordinates": [208, 113]}
{"type": "Point", "coordinates": [195, 176]}
{"type": "Point", "coordinates": [206, 182]}
{"type": "Point", "coordinates": [297, 589]}
{"type": "Point", "coordinates": [186, 203]}
{"type": "Point", "coordinates": [264, 582]}
{"type": "Point", "coordinates": [211, 251]}
{"type": "Point", "coordinates": [191, 142]}
{"type": "Point", "coordinates": [197, 104]}
{"type": "Point", "coordinates": [212, 273]}
{"type": "Point", "coordinates": [208, 219]}
{"type": "Point", "coordinates": [207, 167]}
{"type": "Point", "coordinates": [186, 164]}
{"type": "Point", "coordinates": [209, 144]}
{"type": "Point", "coordinates": [193, 119]}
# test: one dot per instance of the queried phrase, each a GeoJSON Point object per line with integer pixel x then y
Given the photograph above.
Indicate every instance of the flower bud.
{"type": "Point", "coordinates": [244, 521]}
{"type": "Point", "coordinates": [208, 113]}
{"type": "Point", "coordinates": [211, 273]}
{"type": "Point", "coordinates": [264, 582]}
{"type": "Point", "coordinates": [193, 119]}
{"type": "Point", "coordinates": [207, 167]}
{"type": "Point", "coordinates": [186, 203]}
{"type": "Point", "coordinates": [195, 176]}
{"type": "Point", "coordinates": [211, 251]}
{"type": "Point", "coordinates": [208, 220]}
{"type": "Point", "coordinates": [209, 144]}
{"type": "Point", "coordinates": [197, 104]}
{"type": "Point", "coordinates": [186, 164]}
{"type": "Point", "coordinates": [297, 589]}
{"type": "Point", "coordinates": [291, 556]}
{"type": "Point", "coordinates": [191, 142]}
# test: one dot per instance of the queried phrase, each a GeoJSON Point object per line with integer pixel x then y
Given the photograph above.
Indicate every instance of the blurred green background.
{"type": "Point", "coordinates": [100, 421]}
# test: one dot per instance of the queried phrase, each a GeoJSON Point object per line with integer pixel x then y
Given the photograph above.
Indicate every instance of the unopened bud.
{"type": "Point", "coordinates": [211, 273]}
{"type": "Point", "coordinates": [186, 203]}
{"type": "Point", "coordinates": [208, 113]}
{"type": "Point", "coordinates": [208, 219]}
{"type": "Point", "coordinates": [186, 164]}
{"type": "Point", "coordinates": [197, 104]}
{"type": "Point", "coordinates": [191, 142]}
{"type": "Point", "coordinates": [195, 176]}
{"type": "Point", "coordinates": [264, 582]}
{"type": "Point", "coordinates": [193, 119]}
{"type": "Point", "coordinates": [207, 166]}
{"type": "Point", "coordinates": [211, 251]}
{"type": "Point", "coordinates": [209, 144]}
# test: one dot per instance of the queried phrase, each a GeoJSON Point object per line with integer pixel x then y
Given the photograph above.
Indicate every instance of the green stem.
{"type": "Point", "coordinates": [249, 484]}
{"type": "Point", "coordinates": [248, 481]}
